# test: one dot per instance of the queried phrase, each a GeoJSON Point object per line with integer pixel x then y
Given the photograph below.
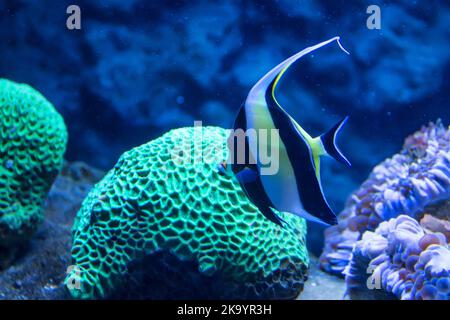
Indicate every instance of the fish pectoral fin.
{"type": "Point", "coordinates": [272, 216]}
{"type": "Point", "coordinates": [329, 145]}
{"type": "Point", "coordinates": [247, 175]}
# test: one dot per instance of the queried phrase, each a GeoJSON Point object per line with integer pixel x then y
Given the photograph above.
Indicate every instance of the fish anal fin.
{"type": "Point", "coordinates": [272, 216]}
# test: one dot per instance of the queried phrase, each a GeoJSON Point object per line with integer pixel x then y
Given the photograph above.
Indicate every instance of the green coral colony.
{"type": "Point", "coordinates": [154, 204]}
{"type": "Point", "coordinates": [33, 141]}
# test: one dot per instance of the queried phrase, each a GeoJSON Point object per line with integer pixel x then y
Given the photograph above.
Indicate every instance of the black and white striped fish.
{"type": "Point", "coordinates": [296, 186]}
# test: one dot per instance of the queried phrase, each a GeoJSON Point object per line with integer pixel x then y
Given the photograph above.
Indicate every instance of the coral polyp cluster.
{"type": "Point", "coordinates": [401, 259]}
{"type": "Point", "coordinates": [414, 182]}
{"type": "Point", "coordinates": [179, 229]}
{"type": "Point", "coordinates": [33, 140]}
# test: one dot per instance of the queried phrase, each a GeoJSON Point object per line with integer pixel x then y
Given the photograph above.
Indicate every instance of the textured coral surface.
{"type": "Point", "coordinates": [401, 259]}
{"type": "Point", "coordinates": [165, 218]}
{"type": "Point", "coordinates": [414, 182]}
{"type": "Point", "coordinates": [41, 269]}
{"type": "Point", "coordinates": [33, 139]}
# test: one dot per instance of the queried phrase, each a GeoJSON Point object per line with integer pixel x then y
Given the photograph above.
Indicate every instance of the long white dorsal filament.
{"type": "Point", "coordinates": [264, 82]}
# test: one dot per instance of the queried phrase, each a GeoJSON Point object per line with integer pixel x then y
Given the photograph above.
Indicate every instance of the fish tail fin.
{"type": "Point", "coordinates": [329, 144]}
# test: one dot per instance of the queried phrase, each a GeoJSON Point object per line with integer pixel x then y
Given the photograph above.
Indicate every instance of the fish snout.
{"type": "Point", "coordinates": [222, 168]}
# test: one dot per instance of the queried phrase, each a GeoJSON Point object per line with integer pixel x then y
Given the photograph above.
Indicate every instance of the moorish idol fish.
{"type": "Point", "coordinates": [296, 186]}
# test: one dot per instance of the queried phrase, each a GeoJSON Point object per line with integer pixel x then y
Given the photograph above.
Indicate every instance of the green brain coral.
{"type": "Point", "coordinates": [164, 210]}
{"type": "Point", "coordinates": [33, 139]}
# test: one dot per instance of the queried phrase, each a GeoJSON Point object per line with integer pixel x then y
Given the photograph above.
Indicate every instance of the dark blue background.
{"type": "Point", "coordinates": [139, 68]}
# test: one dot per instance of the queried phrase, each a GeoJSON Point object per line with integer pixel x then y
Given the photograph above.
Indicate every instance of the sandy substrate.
{"type": "Point", "coordinates": [321, 285]}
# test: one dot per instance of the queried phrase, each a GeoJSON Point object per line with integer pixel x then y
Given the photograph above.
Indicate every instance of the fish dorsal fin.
{"type": "Point", "coordinates": [271, 79]}
{"type": "Point", "coordinates": [329, 144]}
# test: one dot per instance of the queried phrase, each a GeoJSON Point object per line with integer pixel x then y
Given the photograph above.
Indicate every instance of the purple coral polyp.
{"type": "Point", "coordinates": [403, 259]}
{"type": "Point", "coordinates": [408, 183]}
